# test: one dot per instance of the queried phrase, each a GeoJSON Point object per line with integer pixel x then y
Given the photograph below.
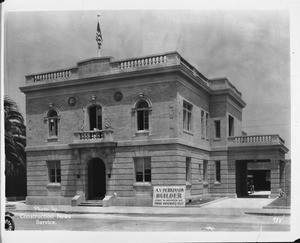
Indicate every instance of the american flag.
{"type": "Point", "coordinates": [99, 36]}
{"type": "Point", "coordinates": [107, 125]}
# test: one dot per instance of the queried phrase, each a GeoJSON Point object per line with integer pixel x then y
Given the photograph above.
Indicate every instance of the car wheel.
{"type": "Point", "coordinates": [9, 224]}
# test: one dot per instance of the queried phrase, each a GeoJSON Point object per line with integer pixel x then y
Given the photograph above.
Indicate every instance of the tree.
{"type": "Point", "coordinates": [15, 156]}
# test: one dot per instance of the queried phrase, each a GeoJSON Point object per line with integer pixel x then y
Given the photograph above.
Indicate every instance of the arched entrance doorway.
{"type": "Point", "coordinates": [96, 179]}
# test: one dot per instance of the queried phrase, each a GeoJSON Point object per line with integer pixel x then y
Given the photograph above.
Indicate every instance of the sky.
{"type": "Point", "coordinates": [249, 47]}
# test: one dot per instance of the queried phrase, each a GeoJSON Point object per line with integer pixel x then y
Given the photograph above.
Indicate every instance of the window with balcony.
{"type": "Point", "coordinates": [95, 117]}
{"type": "Point", "coordinates": [187, 116]}
{"type": "Point", "coordinates": [52, 124]}
{"type": "Point", "coordinates": [142, 169]}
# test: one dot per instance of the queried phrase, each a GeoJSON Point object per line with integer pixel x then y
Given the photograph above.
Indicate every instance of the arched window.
{"type": "Point", "coordinates": [52, 123]}
{"type": "Point", "coordinates": [142, 108]}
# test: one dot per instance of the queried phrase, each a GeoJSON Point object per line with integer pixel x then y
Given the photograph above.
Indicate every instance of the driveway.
{"type": "Point", "coordinates": [248, 202]}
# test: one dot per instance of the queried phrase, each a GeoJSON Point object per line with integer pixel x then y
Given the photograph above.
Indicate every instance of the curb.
{"type": "Point", "coordinates": [119, 213]}
{"type": "Point", "coordinates": [270, 213]}
{"type": "Point", "coordinates": [276, 207]}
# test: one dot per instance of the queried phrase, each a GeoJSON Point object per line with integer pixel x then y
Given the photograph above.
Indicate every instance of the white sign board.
{"type": "Point", "coordinates": [168, 196]}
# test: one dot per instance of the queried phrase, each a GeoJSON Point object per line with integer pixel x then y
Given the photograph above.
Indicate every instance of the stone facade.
{"type": "Point", "coordinates": [98, 120]}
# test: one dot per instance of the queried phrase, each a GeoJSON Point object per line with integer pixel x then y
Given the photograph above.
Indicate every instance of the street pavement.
{"type": "Point", "coordinates": [139, 222]}
{"type": "Point", "coordinates": [226, 214]}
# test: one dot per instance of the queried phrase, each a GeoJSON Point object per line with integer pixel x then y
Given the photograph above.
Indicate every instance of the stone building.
{"type": "Point", "coordinates": [113, 130]}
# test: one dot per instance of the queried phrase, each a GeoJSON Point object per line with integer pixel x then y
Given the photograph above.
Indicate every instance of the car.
{"type": "Point", "coordinates": [9, 223]}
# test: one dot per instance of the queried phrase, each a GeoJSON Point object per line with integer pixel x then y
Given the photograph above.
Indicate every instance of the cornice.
{"type": "Point", "coordinates": [232, 94]}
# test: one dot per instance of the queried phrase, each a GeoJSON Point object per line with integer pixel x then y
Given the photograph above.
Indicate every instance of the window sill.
{"type": "Point", "coordinates": [205, 183]}
{"type": "Point", "coordinates": [188, 132]}
{"type": "Point", "coordinates": [217, 183]}
{"type": "Point", "coordinates": [52, 139]}
{"type": "Point", "coordinates": [142, 184]}
{"type": "Point", "coordinates": [54, 186]}
{"type": "Point", "coordinates": [217, 139]}
{"type": "Point", "coordinates": [54, 189]}
{"type": "Point", "coordinates": [142, 133]}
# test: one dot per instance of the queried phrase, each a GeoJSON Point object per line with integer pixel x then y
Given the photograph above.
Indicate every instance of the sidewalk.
{"type": "Point", "coordinates": [226, 207]}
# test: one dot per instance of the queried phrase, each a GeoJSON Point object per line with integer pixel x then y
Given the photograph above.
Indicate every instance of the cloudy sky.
{"type": "Point", "coordinates": [251, 48]}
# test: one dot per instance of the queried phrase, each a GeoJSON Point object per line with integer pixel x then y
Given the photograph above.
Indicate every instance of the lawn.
{"type": "Point", "coordinates": [281, 202]}
{"type": "Point", "coordinates": [202, 201]}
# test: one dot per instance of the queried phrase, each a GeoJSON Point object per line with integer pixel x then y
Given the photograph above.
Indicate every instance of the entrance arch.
{"type": "Point", "coordinates": [96, 179]}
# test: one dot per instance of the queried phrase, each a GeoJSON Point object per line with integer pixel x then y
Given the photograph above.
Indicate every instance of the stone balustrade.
{"type": "Point", "coordinates": [255, 140]}
{"type": "Point", "coordinates": [106, 65]}
{"type": "Point", "coordinates": [93, 136]}
{"type": "Point", "coordinates": [141, 62]}
{"type": "Point", "coordinates": [51, 76]}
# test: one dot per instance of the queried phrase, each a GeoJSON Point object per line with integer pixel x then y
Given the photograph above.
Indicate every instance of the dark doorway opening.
{"type": "Point", "coordinates": [95, 113]}
{"type": "Point", "coordinates": [261, 179]}
{"type": "Point", "coordinates": [241, 178]}
{"type": "Point", "coordinates": [254, 182]}
{"type": "Point", "coordinates": [96, 179]}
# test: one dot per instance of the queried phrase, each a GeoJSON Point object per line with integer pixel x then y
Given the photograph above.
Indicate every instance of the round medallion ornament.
{"type": "Point", "coordinates": [72, 101]}
{"type": "Point", "coordinates": [118, 96]}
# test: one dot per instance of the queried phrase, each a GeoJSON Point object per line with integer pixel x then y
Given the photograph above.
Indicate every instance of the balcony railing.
{"type": "Point", "coordinates": [255, 140]}
{"type": "Point", "coordinates": [94, 136]}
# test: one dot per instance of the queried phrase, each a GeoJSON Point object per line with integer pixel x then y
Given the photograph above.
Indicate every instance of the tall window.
{"type": "Point", "coordinates": [230, 126]}
{"type": "Point", "coordinates": [218, 171]}
{"type": "Point", "coordinates": [218, 129]}
{"type": "Point", "coordinates": [143, 169]}
{"type": "Point", "coordinates": [188, 169]}
{"type": "Point", "coordinates": [187, 116]}
{"type": "Point", "coordinates": [206, 126]}
{"type": "Point", "coordinates": [200, 172]}
{"type": "Point", "coordinates": [53, 123]}
{"type": "Point", "coordinates": [205, 165]}
{"type": "Point", "coordinates": [95, 115]}
{"type": "Point", "coordinates": [54, 171]}
{"type": "Point", "coordinates": [202, 124]}
{"type": "Point", "coordinates": [142, 108]}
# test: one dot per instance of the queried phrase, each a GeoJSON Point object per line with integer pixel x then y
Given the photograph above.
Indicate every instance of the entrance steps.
{"type": "Point", "coordinates": [92, 203]}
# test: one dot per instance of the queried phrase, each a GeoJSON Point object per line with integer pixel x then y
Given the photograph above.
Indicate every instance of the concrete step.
{"type": "Point", "coordinates": [92, 203]}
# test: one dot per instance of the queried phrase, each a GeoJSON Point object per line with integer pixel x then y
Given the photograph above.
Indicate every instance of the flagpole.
{"type": "Point", "coordinates": [99, 41]}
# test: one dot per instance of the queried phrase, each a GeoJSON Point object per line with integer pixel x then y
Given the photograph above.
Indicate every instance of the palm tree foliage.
{"type": "Point", "coordinates": [15, 142]}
